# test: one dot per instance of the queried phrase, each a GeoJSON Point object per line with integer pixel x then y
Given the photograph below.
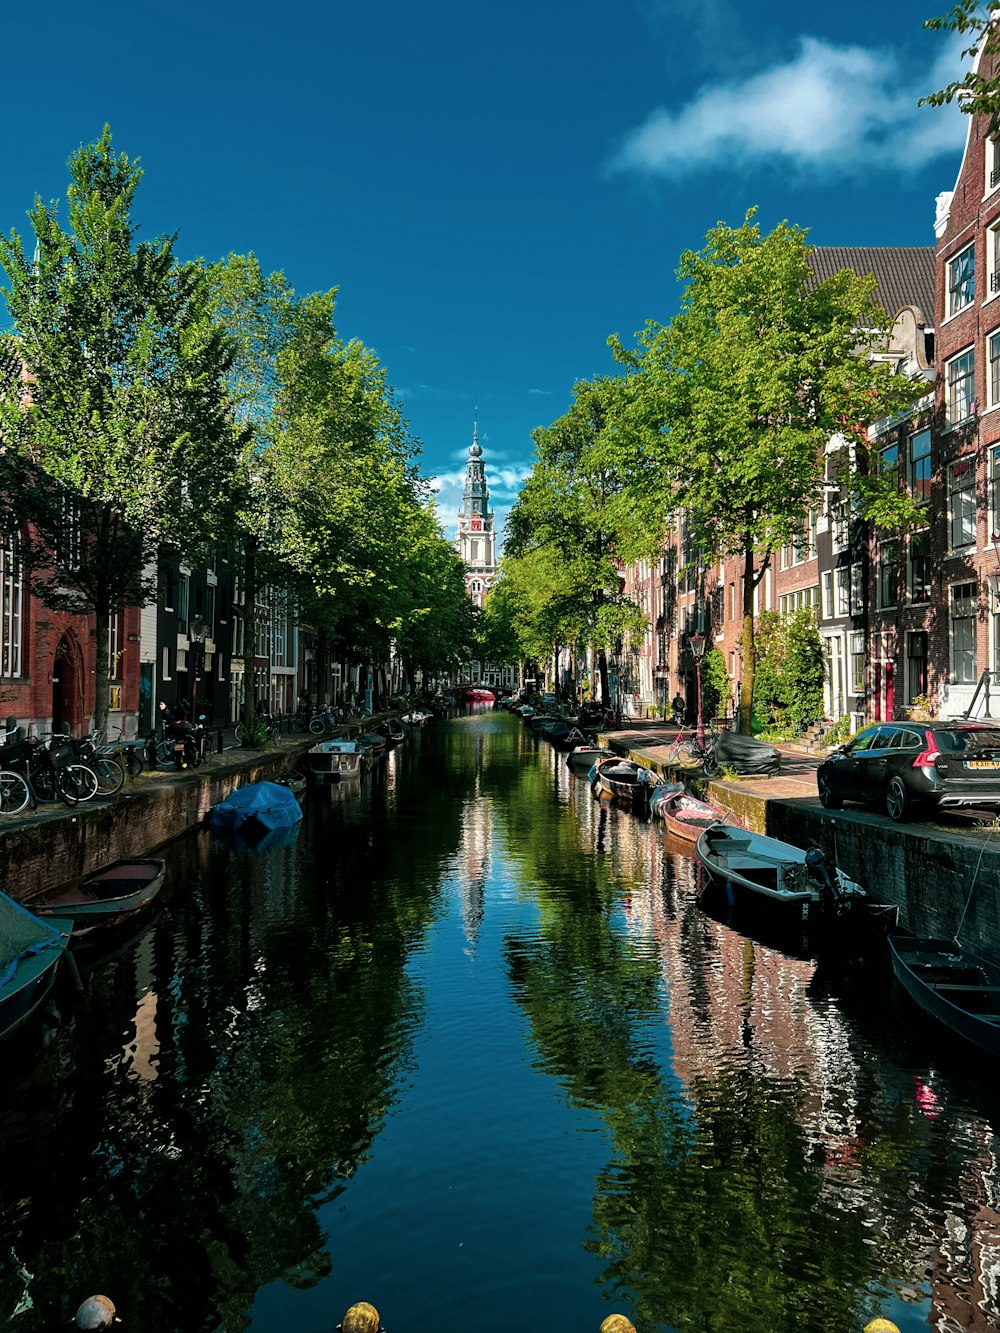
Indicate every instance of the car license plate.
{"type": "Point", "coordinates": [982, 763]}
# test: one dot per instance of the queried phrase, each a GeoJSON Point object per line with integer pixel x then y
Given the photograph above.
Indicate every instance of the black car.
{"type": "Point", "coordinates": [907, 764]}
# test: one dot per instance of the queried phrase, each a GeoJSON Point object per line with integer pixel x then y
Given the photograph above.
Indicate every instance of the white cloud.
{"type": "Point", "coordinates": [830, 108]}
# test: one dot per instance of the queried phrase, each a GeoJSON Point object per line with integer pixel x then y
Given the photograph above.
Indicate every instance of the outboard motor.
{"type": "Point", "coordinates": [829, 885]}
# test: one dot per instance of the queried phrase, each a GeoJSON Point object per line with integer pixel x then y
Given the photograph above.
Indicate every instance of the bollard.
{"type": "Point", "coordinates": [881, 1326]}
{"type": "Point", "coordinates": [96, 1312]}
{"type": "Point", "coordinates": [617, 1323]}
{"type": "Point", "coordinates": [361, 1318]}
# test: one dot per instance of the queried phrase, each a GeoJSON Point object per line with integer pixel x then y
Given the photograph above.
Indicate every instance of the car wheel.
{"type": "Point", "coordinates": [826, 797]}
{"type": "Point", "coordinates": [897, 801]}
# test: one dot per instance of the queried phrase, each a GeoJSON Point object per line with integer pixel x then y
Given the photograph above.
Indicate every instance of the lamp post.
{"type": "Point", "coordinates": [196, 633]}
{"type": "Point", "coordinates": [696, 642]}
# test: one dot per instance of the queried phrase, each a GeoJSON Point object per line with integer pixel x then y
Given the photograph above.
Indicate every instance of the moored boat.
{"type": "Point", "coordinates": [955, 985]}
{"type": "Point", "coordinates": [104, 897]}
{"type": "Point", "coordinates": [30, 950]}
{"type": "Point", "coordinates": [623, 780]}
{"type": "Point", "coordinates": [393, 731]}
{"type": "Point", "coordinates": [255, 810]}
{"type": "Point", "coordinates": [755, 867]}
{"type": "Point", "coordinates": [330, 761]}
{"type": "Point", "coordinates": [583, 757]}
{"type": "Point", "coordinates": [684, 815]}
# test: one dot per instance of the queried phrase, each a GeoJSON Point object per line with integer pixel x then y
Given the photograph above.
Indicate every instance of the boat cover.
{"type": "Point", "coordinates": [21, 935]}
{"type": "Point", "coordinates": [743, 754]}
{"type": "Point", "coordinates": [269, 804]}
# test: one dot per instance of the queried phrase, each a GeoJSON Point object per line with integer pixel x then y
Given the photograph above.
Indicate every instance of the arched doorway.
{"type": "Point", "coordinates": [67, 685]}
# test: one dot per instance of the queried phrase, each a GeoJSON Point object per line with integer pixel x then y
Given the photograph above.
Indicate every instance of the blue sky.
{"type": "Point", "coordinates": [494, 188]}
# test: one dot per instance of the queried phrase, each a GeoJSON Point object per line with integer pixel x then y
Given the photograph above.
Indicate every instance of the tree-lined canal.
{"type": "Point", "coordinates": [469, 1049]}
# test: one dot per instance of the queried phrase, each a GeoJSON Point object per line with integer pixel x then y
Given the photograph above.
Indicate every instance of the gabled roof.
{"type": "Point", "coordinates": [905, 273]}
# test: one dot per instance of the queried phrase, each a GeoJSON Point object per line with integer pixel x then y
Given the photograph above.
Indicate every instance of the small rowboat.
{"type": "Point", "coordinates": [953, 984]}
{"type": "Point", "coordinates": [329, 761]}
{"type": "Point", "coordinates": [684, 815]}
{"type": "Point", "coordinates": [623, 780]}
{"type": "Point", "coordinates": [752, 866]}
{"type": "Point", "coordinates": [108, 896]}
{"type": "Point", "coordinates": [582, 758]}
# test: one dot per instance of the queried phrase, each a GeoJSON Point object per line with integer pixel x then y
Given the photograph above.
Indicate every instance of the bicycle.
{"type": "Point", "coordinates": [273, 728]}
{"type": "Point", "coordinates": [325, 719]}
{"type": "Point", "coordinates": [15, 789]}
{"type": "Point", "coordinates": [697, 753]}
{"type": "Point", "coordinates": [53, 774]}
{"type": "Point", "coordinates": [126, 753]}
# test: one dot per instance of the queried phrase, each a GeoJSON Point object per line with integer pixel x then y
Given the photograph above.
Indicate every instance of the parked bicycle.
{"type": "Point", "coordinates": [690, 751]}
{"type": "Point", "coordinates": [326, 719]}
{"type": "Point", "coordinates": [15, 788]}
{"type": "Point", "coordinates": [273, 727]}
{"type": "Point", "coordinates": [128, 753]}
{"type": "Point", "coordinates": [55, 774]}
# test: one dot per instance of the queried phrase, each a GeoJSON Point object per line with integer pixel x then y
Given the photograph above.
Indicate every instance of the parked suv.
{"type": "Point", "coordinates": [907, 764]}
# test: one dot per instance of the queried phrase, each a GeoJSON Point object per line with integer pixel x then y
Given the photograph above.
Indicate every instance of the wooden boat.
{"type": "Point", "coordinates": [745, 864]}
{"type": "Point", "coordinates": [333, 760]}
{"type": "Point", "coordinates": [393, 731]}
{"type": "Point", "coordinates": [30, 950]}
{"type": "Point", "coordinates": [104, 898]}
{"type": "Point", "coordinates": [566, 739]}
{"type": "Point", "coordinates": [953, 984]}
{"type": "Point", "coordinates": [623, 780]}
{"type": "Point", "coordinates": [416, 717]}
{"type": "Point", "coordinates": [295, 782]}
{"type": "Point", "coordinates": [373, 742]}
{"type": "Point", "coordinates": [684, 815]}
{"type": "Point", "coordinates": [582, 758]}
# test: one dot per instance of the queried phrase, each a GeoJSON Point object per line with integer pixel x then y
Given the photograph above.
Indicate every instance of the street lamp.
{"type": "Point", "coordinates": [696, 642]}
{"type": "Point", "coordinates": [196, 633]}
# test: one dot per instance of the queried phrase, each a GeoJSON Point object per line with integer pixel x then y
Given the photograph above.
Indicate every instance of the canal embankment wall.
{"type": "Point", "coordinates": [943, 881]}
{"type": "Point", "coordinates": [55, 846]}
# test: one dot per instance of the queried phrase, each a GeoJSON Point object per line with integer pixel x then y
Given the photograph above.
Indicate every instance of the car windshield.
{"type": "Point", "coordinates": [969, 738]}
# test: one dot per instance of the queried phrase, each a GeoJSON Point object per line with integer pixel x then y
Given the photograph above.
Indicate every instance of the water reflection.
{"type": "Point", "coordinates": [471, 1044]}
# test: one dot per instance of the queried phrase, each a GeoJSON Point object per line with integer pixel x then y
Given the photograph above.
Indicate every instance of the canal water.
{"type": "Point", "coordinates": [469, 1049]}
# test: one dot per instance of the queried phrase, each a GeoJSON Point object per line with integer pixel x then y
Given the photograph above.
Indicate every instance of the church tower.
{"type": "Point", "coordinates": [476, 542]}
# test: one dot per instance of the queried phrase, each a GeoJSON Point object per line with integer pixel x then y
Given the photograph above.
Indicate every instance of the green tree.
{"type": "Point", "coordinates": [115, 423]}
{"type": "Point", "coordinates": [978, 90]}
{"type": "Point", "coordinates": [587, 507]}
{"type": "Point", "coordinates": [759, 369]}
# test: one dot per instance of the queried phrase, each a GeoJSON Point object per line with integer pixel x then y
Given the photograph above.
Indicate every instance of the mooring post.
{"type": "Point", "coordinates": [361, 1318]}
{"type": "Point", "coordinates": [617, 1323]}
{"type": "Point", "coordinates": [96, 1312]}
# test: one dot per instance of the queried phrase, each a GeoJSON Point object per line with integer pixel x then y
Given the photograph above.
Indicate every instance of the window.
{"type": "Point", "coordinates": [993, 261]}
{"type": "Point", "coordinates": [12, 591]}
{"type": "Point", "coordinates": [857, 590]}
{"type": "Point", "coordinates": [888, 567]}
{"type": "Point", "coordinates": [992, 164]}
{"type": "Point", "coordinates": [918, 578]}
{"type": "Point", "coordinates": [800, 600]}
{"type": "Point", "coordinates": [962, 504]}
{"type": "Point", "coordinates": [183, 590]}
{"type": "Point", "coordinates": [888, 459]}
{"type": "Point", "coordinates": [857, 663]}
{"type": "Point", "coordinates": [919, 466]}
{"type": "Point", "coordinates": [961, 280]}
{"type": "Point", "coordinates": [963, 633]}
{"type": "Point", "coordinates": [840, 526]}
{"type": "Point", "coordinates": [993, 370]}
{"type": "Point", "coordinates": [959, 390]}
{"type": "Point", "coordinates": [828, 594]}
{"type": "Point", "coordinates": [916, 664]}
{"type": "Point", "coordinates": [843, 575]}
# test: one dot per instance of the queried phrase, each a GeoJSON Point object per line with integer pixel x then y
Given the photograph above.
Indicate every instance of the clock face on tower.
{"type": "Point", "coordinates": [477, 524]}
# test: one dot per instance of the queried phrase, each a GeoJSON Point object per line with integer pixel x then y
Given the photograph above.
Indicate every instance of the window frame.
{"type": "Point", "coordinates": [960, 280]}
{"type": "Point", "coordinates": [966, 618]}
{"type": "Point", "coordinates": [960, 391]}
{"type": "Point", "coordinates": [962, 503]}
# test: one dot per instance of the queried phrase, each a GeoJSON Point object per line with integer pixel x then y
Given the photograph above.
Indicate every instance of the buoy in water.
{"type": "Point", "coordinates": [96, 1312]}
{"type": "Point", "coordinates": [617, 1323]}
{"type": "Point", "coordinates": [361, 1318]}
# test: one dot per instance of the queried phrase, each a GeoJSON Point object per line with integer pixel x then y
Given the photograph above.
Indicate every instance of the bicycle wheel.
{"type": "Point", "coordinates": [133, 760]}
{"type": "Point", "coordinates": [84, 780]}
{"type": "Point", "coordinates": [110, 774]}
{"type": "Point", "coordinates": [64, 786]}
{"type": "Point", "coordinates": [241, 732]}
{"type": "Point", "coordinates": [317, 725]}
{"type": "Point", "coordinates": [274, 730]}
{"type": "Point", "coordinates": [14, 793]}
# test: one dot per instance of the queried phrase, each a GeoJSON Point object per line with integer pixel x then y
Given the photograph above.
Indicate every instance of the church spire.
{"type": "Point", "coordinates": [476, 539]}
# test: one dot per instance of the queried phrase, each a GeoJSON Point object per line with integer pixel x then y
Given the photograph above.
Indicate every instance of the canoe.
{"type": "Point", "coordinates": [333, 760]}
{"type": "Point", "coordinates": [684, 815]}
{"type": "Point", "coordinates": [623, 780]}
{"type": "Point", "coordinates": [755, 867]}
{"type": "Point", "coordinates": [30, 950]}
{"type": "Point", "coordinates": [105, 897]}
{"type": "Point", "coordinates": [953, 984]}
{"type": "Point", "coordinates": [582, 758]}
{"type": "Point", "coordinates": [255, 810]}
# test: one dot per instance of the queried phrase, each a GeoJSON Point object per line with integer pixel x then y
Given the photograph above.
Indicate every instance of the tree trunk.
{"type": "Point", "coordinates": [748, 644]}
{"type": "Point", "coordinates": [102, 674]}
{"type": "Point", "coordinates": [602, 669]}
{"type": "Point", "coordinates": [249, 637]}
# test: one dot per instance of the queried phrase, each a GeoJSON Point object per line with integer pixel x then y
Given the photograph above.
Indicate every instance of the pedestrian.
{"type": "Point", "coordinates": [678, 706]}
